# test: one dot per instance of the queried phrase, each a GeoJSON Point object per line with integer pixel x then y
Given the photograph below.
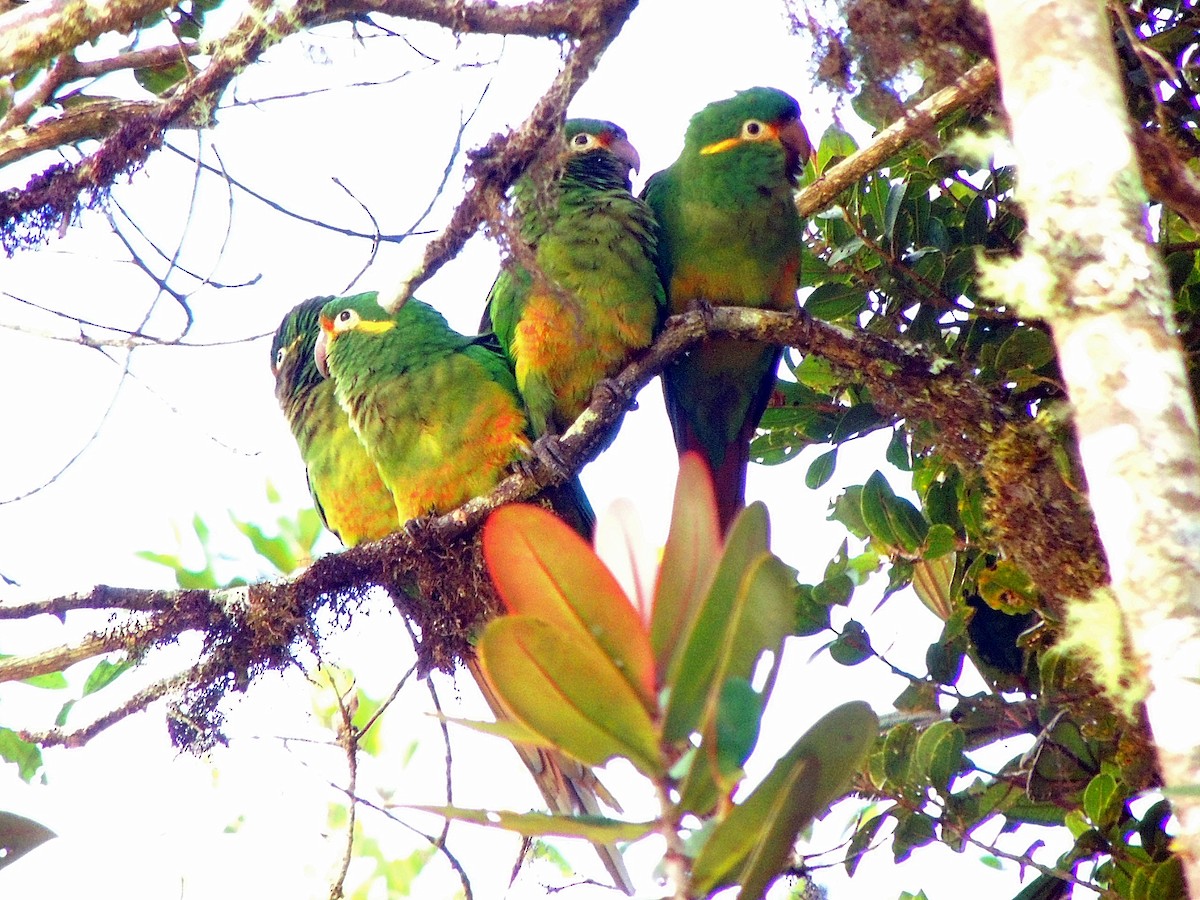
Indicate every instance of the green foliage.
{"type": "Point", "coordinates": [581, 671]}
{"type": "Point", "coordinates": [286, 551]}
{"type": "Point", "coordinates": [986, 523]}
{"type": "Point", "coordinates": [26, 756]}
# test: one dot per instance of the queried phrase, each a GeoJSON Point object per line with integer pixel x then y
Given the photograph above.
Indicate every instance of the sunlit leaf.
{"type": "Point", "coordinates": [931, 582]}
{"type": "Point", "coordinates": [105, 673]}
{"type": "Point", "coordinates": [543, 568]}
{"type": "Point", "coordinates": [597, 829]}
{"type": "Point", "coordinates": [14, 749]}
{"type": "Point", "coordinates": [821, 469]}
{"type": "Point", "coordinates": [689, 562]}
{"type": "Point", "coordinates": [753, 842]}
{"type": "Point", "coordinates": [632, 559]}
{"type": "Point", "coordinates": [835, 143]}
{"type": "Point", "coordinates": [564, 688]}
{"type": "Point", "coordinates": [691, 680]}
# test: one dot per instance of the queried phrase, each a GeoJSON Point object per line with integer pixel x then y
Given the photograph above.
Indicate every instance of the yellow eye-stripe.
{"type": "Point", "coordinates": [373, 326]}
{"type": "Point", "coordinates": [720, 146]}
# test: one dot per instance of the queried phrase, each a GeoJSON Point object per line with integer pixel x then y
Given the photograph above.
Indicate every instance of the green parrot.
{"type": "Point", "coordinates": [439, 414]}
{"type": "Point", "coordinates": [729, 235]}
{"type": "Point", "coordinates": [345, 485]}
{"type": "Point", "coordinates": [601, 298]}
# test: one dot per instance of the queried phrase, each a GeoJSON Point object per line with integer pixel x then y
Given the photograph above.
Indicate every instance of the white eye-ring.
{"type": "Point", "coordinates": [280, 356]}
{"type": "Point", "coordinates": [754, 130]}
{"type": "Point", "coordinates": [345, 320]}
{"type": "Point", "coordinates": [583, 141]}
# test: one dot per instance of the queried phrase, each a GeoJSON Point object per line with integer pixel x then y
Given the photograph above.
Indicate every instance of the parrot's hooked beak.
{"type": "Point", "coordinates": [622, 149]}
{"type": "Point", "coordinates": [321, 348]}
{"type": "Point", "coordinates": [796, 144]}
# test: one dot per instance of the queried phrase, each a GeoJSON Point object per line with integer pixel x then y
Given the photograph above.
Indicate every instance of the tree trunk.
{"type": "Point", "coordinates": [1089, 270]}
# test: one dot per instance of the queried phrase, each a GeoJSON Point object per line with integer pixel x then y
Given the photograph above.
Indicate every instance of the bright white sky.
{"type": "Point", "coordinates": [198, 431]}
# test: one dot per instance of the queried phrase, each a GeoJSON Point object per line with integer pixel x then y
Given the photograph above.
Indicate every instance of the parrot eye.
{"type": "Point", "coordinates": [345, 320]}
{"type": "Point", "coordinates": [583, 141]}
{"type": "Point", "coordinates": [280, 356]}
{"type": "Point", "coordinates": [753, 129]}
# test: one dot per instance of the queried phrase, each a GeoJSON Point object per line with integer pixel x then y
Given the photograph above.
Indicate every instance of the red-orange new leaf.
{"type": "Point", "coordinates": [544, 569]}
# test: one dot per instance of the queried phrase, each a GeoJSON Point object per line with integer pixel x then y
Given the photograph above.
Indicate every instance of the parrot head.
{"type": "Point", "coordinates": [591, 135]}
{"type": "Point", "coordinates": [759, 117]}
{"type": "Point", "coordinates": [341, 315]}
{"type": "Point", "coordinates": [292, 361]}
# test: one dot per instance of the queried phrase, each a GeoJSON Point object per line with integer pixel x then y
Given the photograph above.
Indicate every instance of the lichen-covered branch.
{"type": "Point", "coordinates": [916, 122]}
{"type": "Point", "coordinates": [36, 32]}
{"type": "Point", "coordinates": [433, 570]}
{"type": "Point", "coordinates": [29, 215]}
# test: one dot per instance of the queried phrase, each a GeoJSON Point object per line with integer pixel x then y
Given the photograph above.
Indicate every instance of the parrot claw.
{"type": "Point", "coordinates": [704, 308]}
{"type": "Point", "coordinates": [549, 452]}
{"type": "Point", "coordinates": [613, 393]}
{"type": "Point", "coordinates": [416, 529]}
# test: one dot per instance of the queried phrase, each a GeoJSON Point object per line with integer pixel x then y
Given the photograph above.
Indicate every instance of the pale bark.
{"type": "Point", "coordinates": [1088, 268]}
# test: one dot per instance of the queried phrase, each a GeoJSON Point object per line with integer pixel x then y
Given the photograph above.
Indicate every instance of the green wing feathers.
{"type": "Point", "coordinates": [598, 299]}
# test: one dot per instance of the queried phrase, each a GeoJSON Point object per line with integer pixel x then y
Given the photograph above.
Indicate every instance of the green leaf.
{"type": "Point", "coordinates": [939, 753]}
{"type": "Point", "coordinates": [597, 829]}
{"type": "Point", "coordinates": [944, 660]}
{"type": "Point", "coordinates": [739, 711]}
{"type": "Point", "coordinates": [862, 839]}
{"type": "Point", "coordinates": [835, 143]}
{"type": "Point", "coordinates": [1103, 801]}
{"type": "Point", "coordinates": [756, 618]}
{"type": "Point", "coordinates": [1007, 587]}
{"type": "Point", "coordinates": [543, 568]}
{"type": "Point", "coordinates": [834, 300]}
{"type": "Point", "coordinates": [691, 679]}
{"type": "Point", "coordinates": [275, 549]}
{"type": "Point", "coordinates": [835, 591]}
{"type": "Point", "coordinates": [897, 452]}
{"type": "Point", "coordinates": [51, 681]}
{"type": "Point", "coordinates": [1159, 881]}
{"type": "Point", "coordinates": [857, 420]}
{"type": "Point", "coordinates": [565, 689]}
{"type": "Point", "coordinates": [940, 541]}
{"type": "Point", "coordinates": [852, 646]}
{"type": "Point", "coordinates": [847, 509]}
{"type": "Point", "coordinates": [689, 563]}
{"type": "Point", "coordinates": [512, 731]}
{"type": "Point", "coordinates": [896, 753]}
{"type": "Point", "coordinates": [892, 520]}
{"type": "Point", "coordinates": [19, 835]}
{"type": "Point", "coordinates": [104, 674]}
{"type": "Point", "coordinates": [752, 844]}
{"type": "Point", "coordinates": [812, 617]}
{"type": "Point", "coordinates": [14, 749]}
{"type": "Point", "coordinates": [932, 580]}
{"type": "Point", "coordinates": [821, 469]}
{"type": "Point", "coordinates": [1025, 348]}
{"type": "Point", "coordinates": [160, 79]}
{"type": "Point", "coordinates": [912, 830]}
